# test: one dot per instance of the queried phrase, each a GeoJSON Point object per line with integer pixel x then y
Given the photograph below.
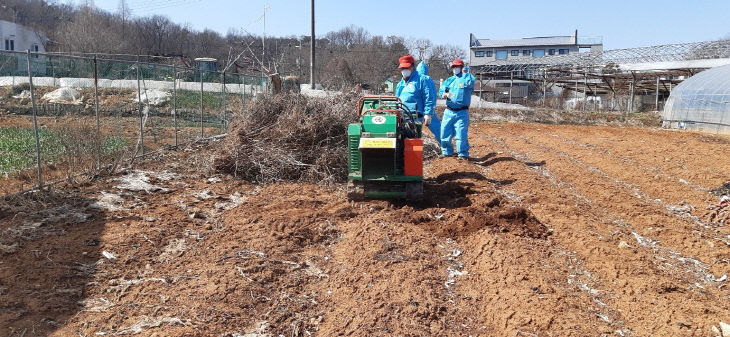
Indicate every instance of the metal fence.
{"type": "Point", "coordinates": [61, 115]}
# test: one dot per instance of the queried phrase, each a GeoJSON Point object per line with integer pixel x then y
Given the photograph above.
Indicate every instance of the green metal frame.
{"type": "Point", "coordinates": [385, 126]}
{"type": "Point", "coordinates": [358, 176]}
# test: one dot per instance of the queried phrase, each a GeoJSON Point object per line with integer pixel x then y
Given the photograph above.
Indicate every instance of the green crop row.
{"type": "Point", "coordinates": [17, 147]}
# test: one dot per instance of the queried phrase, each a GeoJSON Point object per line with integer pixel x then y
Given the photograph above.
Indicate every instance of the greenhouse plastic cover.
{"type": "Point", "coordinates": [701, 102]}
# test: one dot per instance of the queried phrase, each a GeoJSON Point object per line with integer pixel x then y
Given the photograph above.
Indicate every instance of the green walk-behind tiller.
{"type": "Point", "coordinates": [385, 151]}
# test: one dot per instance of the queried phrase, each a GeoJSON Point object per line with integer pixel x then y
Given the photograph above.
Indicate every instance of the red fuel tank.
{"type": "Point", "coordinates": [413, 157]}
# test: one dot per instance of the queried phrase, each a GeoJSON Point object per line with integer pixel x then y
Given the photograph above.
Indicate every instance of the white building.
{"type": "Point", "coordinates": [487, 56]}
{"type": "Point", "coordinates": [20, 38]}
{"type": "Point", "coordinates": [15, 37]}
{"type": "Point", "coordinates": [527, 50]}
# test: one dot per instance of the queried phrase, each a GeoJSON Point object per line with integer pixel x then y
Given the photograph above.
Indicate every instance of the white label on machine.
{"type": "Point", "coordinates": [377, 143]}
{"type": "Point", "coordinates": [378, 120]}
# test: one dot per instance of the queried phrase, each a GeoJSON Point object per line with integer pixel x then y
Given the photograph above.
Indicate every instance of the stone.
{"type": "Point", "coordinates": [725, 329]}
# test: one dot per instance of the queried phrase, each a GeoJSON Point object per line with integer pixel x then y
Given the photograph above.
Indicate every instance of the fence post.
{"type": "Point", "coordinates": [481, 89]}
{"type": "Point", "coordinates": [202, 133]}
{"type": "Point", "coordinates": [96, 110]}
{"type": "Point", "coordinates": [243, 95]}
{"type": "Point", "coordinates": [174, 101]}
{"type": "Point", "coordinates": [225, 122]}
{"type": "Point", "coordinates": [575, 97]}
{"type": "Point", "coordinates": [585, 90]}
{"type": "Point", "coordinates": [656, 97]}
{"type": "Point", "coordinates": [631, 97]}
{"type": "Point", "coordinates": [35, 124]}
{"type": "Point", "coordinates": [139, 107]}
{"type": "Point", "coordinates": [511, 80]}
{"type": "Point", "coordinates": [544, 88]}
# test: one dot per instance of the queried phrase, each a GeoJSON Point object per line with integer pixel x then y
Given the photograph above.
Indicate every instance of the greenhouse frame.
{"type": "Point", "coordinates": [702, 102]}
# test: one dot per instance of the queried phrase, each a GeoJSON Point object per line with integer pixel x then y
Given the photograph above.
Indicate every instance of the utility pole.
{"type": "Point", "coordinates": [311, 53]}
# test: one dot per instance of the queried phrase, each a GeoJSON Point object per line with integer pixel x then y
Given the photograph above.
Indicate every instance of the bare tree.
{"type": "Point", "coordinates": [394, 40]}
{"type": "Point", "coordinates": [87, 32]}
{"type": "Point", "coordinates": [40, 15]}
{"type": "Point", "coordinates": [125, 14]}
{"type": "Point", "coordinates": [349, 37]}
{"type": "Point", "coordinates": [440, 58]}
{"type": "Point", "coordinates": [153, 34]}
{"type": "Point", "coordinates": [420, 48]}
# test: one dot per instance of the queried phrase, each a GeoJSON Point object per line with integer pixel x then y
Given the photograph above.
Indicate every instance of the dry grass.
{"type": "Point", "coordinates": [291, 138]}
{"type": "Point", "coordinates": [573, 117]}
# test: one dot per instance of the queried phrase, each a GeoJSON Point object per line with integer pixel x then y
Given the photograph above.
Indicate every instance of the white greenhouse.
{"type": "Point", "coordinates": [702, 102]}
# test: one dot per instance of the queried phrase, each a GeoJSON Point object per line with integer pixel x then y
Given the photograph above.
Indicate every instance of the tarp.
{"type": "Point", "coordinates": [154, 97]}
{"type": "Point", "coordinates": [63, 95]}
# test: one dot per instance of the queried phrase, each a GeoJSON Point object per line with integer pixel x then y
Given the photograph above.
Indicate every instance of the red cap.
{"type": "Point", "coordinates": [457, 63]}
{"type": "Point", "coordinates": [405, 62]}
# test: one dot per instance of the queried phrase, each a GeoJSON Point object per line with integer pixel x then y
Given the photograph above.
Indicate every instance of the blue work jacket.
{"type": "Point", "coordinates": [461, 87]}
{"type": "Point", "coordinates": [418, 93]}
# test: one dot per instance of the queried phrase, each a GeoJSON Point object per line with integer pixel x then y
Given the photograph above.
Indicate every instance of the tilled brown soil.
{"type": "Point", "coordinates": [547, 231]}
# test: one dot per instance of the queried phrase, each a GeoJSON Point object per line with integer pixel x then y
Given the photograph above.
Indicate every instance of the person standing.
{"type": "Point", "coordinates": [418, 93]}
{"type": "Point", "coordinates": [434, 124]}
{"type": "Point", "coordinates": [457, 91]}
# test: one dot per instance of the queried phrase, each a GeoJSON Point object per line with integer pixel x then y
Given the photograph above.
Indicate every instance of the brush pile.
{"type": "Point", "coordinates": [291, 137]}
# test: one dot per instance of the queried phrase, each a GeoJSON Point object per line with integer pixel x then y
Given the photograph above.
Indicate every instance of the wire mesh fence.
{"type": "Point", "coordinates": [61, 116]}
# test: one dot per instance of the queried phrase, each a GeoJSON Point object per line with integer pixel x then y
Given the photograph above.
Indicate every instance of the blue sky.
{"type": "Point", "coordinates": [623, 24]}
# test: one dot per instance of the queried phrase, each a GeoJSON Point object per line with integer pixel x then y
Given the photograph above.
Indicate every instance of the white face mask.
{"type": "Point", "coordinates": [405, 72]}
{"type": "Point", "coordinates": [456, 70]}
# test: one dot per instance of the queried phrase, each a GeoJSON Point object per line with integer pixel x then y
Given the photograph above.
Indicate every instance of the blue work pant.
{"type": "Point", "coordinates": [455, 125]}
{"type": "Point", "coordinates": [435, 127]}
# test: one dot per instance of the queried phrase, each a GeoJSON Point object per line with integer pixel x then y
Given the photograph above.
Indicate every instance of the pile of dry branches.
{"type": "Point", "coordinates": [291, 138]}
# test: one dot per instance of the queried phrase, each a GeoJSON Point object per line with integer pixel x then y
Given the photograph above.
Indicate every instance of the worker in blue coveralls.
{"type": "Point", "coordinates": [418, 93]}
{"type": "Point", "coordinates": [435, 122]}
{"type": "Point", "coordinates": [457, 91]}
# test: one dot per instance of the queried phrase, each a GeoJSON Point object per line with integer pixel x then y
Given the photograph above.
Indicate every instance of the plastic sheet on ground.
{"type": "Point", "coordinates": [64, 96]}
{"type": "Point", "coordinates": [154, 97]}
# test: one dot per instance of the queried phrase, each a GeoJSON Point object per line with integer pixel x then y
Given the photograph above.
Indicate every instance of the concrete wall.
{"type": "Point", "coordinates": [128, 84]}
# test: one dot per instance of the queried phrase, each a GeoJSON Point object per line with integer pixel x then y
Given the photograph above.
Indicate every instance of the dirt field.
{"type": "Point", "coordinates": [549, 231]}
